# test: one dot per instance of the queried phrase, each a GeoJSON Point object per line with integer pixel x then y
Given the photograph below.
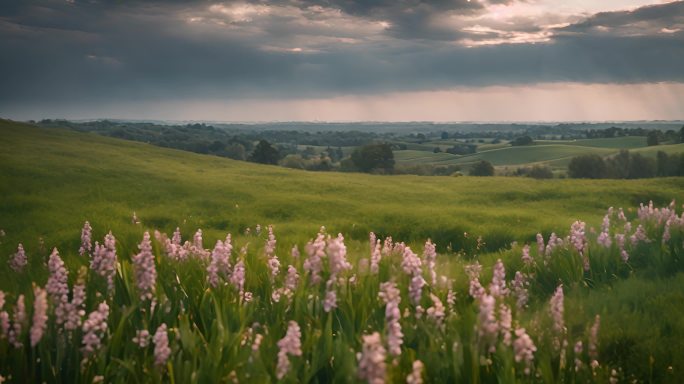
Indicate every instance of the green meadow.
{"type": "Point", "coordinates": [53, 180]}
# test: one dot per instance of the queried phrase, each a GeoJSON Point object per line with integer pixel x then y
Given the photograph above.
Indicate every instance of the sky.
{"type": "Point", "coordinates": [343, 60]}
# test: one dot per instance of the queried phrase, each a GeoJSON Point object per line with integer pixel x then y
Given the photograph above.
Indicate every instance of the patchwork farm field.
{"type": "Point", "coordinates": [521, 280]}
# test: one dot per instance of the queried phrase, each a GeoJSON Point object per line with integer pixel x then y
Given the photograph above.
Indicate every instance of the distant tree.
{"type": "Point", "coordinates": [236, 152]}
{"type": "Point", "coordinates": [373, 157]}
{"type": "Point", "coordinates": [587, 167]}
{"type": "Point", "coordinates": [264, 153]}
{"type": "Point", "coordinates": [540, 172]}
{"type": "Point", "coordinates": [652, 138]}
{"type": "Point", "coordinates": [483, 168]}
{"type": "Point", "coordinates": [436, 150]}
{"type": "Point", "coordinates": [641, 167]}
{"type": "Point", "coordinates": [618, 166]}
{"type": "Point", "coordinates": [681, 135]}
{"type": "Point", "coordinates": [445, 135]}
{"type": "Point", "coordinates": [293, 161]}
{"type": "Point", "coordinates": [662, 164]}
{"type": "Point", "coordinates": [522, 140]}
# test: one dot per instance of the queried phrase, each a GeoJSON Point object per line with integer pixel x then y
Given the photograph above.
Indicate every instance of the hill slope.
{"type": "Point", "coordinates": [53, 180]}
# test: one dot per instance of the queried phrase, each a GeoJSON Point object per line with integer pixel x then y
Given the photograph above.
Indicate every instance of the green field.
{"type": "Point", "coordinates": [52, 180]}
{"type": "Point", "coordinates": [554, 153]}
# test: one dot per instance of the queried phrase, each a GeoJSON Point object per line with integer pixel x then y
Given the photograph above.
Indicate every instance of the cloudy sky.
{"type": "Point", "coordinates": [343, 60]}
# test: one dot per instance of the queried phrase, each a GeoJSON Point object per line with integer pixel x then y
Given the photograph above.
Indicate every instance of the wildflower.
{"type": "Point", "coordinates": [18, 320]}
{"type": "Point", "coordinates": [376, 256]}
{"type": "Point", "coordinates": [519, 284]}
{"type": "Point", "coordinates": [473, 271]}
{"type": "Point", "coordinates": [142, 338]}
{"type": "Point", "coordinates": [639, 236]}
{"type": "Point", "coordinates": [145, 270]}
{"type": "Point", "coordinates": [270, 249]}
{"type": "Point", "coordinates": [257, 229]}
{"type": "Point", "coordinates": [554, 242]}
{"type": "Point", "coordinates": [314, 262]}
{"type": "Point", "coordinates": [161, 346]}
{"type": "Point", "coordinates": [75, 309]}
{"type": "Point", "coordinates": [436, 312]}
{"type": "Point", "coordinates": [330, 301]}
{"type": "Point", "coordinates": [621, 215]}
{"type": "Point", "coordinates": [524, 349]}
{"type": "Point", "coordinates": [57, 286]}
{"type": "Point", "coordinates": [258, 338]}
{"type": "Point", "coordinates": [430, 256]}
{"type": "Point", "coordinates": [372, 239]}
{"type": "Point", "coordinates": [289, 345]}
{"type": "Point", "coordinates": [505, 324]}
{"type": "Point", "coordinates": [197, 247]}
{"type": "Point", "coordinates": [220, 261]}
{"type": "Point", "coordinates": [238, 277]}
{"type": "Point", "coordinates": [94, 329]}
{"type": "Point", "coordinates": [372, 364]}
{"type": "Point", "coordinates": [104, 260]}
{"type": "Point", "coordinates": [488, 327]}
{"type": "Point", "coordinates": [526, 258]}
{"type": "Point", "coordinates": [390, 294]}
{"type": "Point", "coordinates": [578, 237]}
{"type": "Point", "coordinates": [387, 246]}
{"type": "Point", "coordinates": [291, 279]}
{"type": "Point", "coordinates": [498, 286]}
{"type": "Point", "coordinates": [294, 252]}
{"type": "Point", "coordinates": [604, 237]}
{"type": "Point", "coordinates": [4, 317]}
{"type": "Point", "coordinates": [578, 354]}
{"type": "Point", "coordinates": [337, 256]}
{"type": "Point", "coordinates": [557, 312]}
{"type": "Point", "coordinates": [86, 239]}
{"type": "Point", "coordinates": [416, 375]}
{"type": "Point", "coordinates": [40, 317]}
{"type": "Point", "coordinates": [540, 244]}
{"type": "Point", "coordinates": [593, 338]}
{"type": "Point", "coordinates": [19, 260]}
{"type": "Point", "coordinates": [411, 262]}
{"type": "Point", "coordinates": [620, 240]}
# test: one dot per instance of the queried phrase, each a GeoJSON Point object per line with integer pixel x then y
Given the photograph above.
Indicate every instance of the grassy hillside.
{"type": "Point", "coordinates": [53, 180]}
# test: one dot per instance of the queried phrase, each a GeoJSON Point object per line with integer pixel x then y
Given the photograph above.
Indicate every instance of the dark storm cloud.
{"type": "Point", "coordinates": [113, 51]}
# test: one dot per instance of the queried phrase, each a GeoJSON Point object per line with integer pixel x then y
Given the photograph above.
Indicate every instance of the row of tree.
{"type": "Point", "coordinates": [626, 165]}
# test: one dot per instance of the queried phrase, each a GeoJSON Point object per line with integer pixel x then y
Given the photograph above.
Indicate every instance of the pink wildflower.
{"type": "Point", "coordinates": [220, 262]}
{"type": "Point", "coordinates": [238, 278]}
{"type": "Point", "coordinates": [430, 256]}
{"type": "Point", "coordinates": [289, 345]}
{"type": "Point", "coordinates": [161, 346]}
{"type": "Point", "coordinates": [57, 286]}
{"type": "Point", "coordinates": [488, 327]}
{"type": "Point", "coordinates": [498, 286]}
{"type": "Point", "coordinates": [519, 285]}
{"type": "Point", "coordinates": [145, 270]}
{"type": "Point", "coordinates": [557, 314]}
{"type": "Point", "coordinates": [291, 279]}
{"type": "Point", "coordinates": [337, 256]}
{"type": "Point", "coordinates": [86, 239]}
{"type": "Point", "coordinates": [4, 318]}
{"type": "Point", "coordinates": [526, 258]}
{"type": "Point", "coordinates": [142, 338]}
{"type": "Point", "coordinates": [524, 349]}
{"type": "Point", "coordinates": [604, 236]}
{"type": "Point", "coordinates": [18, 321]}
{"type": "Point", "coordinates": [19, 260]}
{"type": "Point", "coordinates": [270, 250]}
{"type": "Point", "coordinates": [390, 294]}
{"type": "Point", "coordinates": [314, 262]}
{"type": "Point", "coordinates": [330, 301]}
{"type": "Point", "coordinates": [639, 236]}
{"type": "Point", "coordinates": [295, 252]}
{"type": "Point", "coordinates": [94, 329]}
{"type": "Point", "coordinates": [104, 260]}
{"type": "Point", "coordinates": [540, 244]}
{"type": "Point", "coordinates": [75, 309]}
{"type": "Point", "coordinates": [593, 338]}
{"type": "Point", "coordinates": [372, 364]}
{"type": "Point", "coordinates": [578, 237]}
{"type": "Point", "coordinates": [40, 317]}
{"type": "Point", "coordinates": [505, 323]}
{"type": "Point", "coordinates": [376, 256]}
{"type": "Point", "coordinates": [436, 312]}
{"type": "Point", "coordinates": [416, 375]}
